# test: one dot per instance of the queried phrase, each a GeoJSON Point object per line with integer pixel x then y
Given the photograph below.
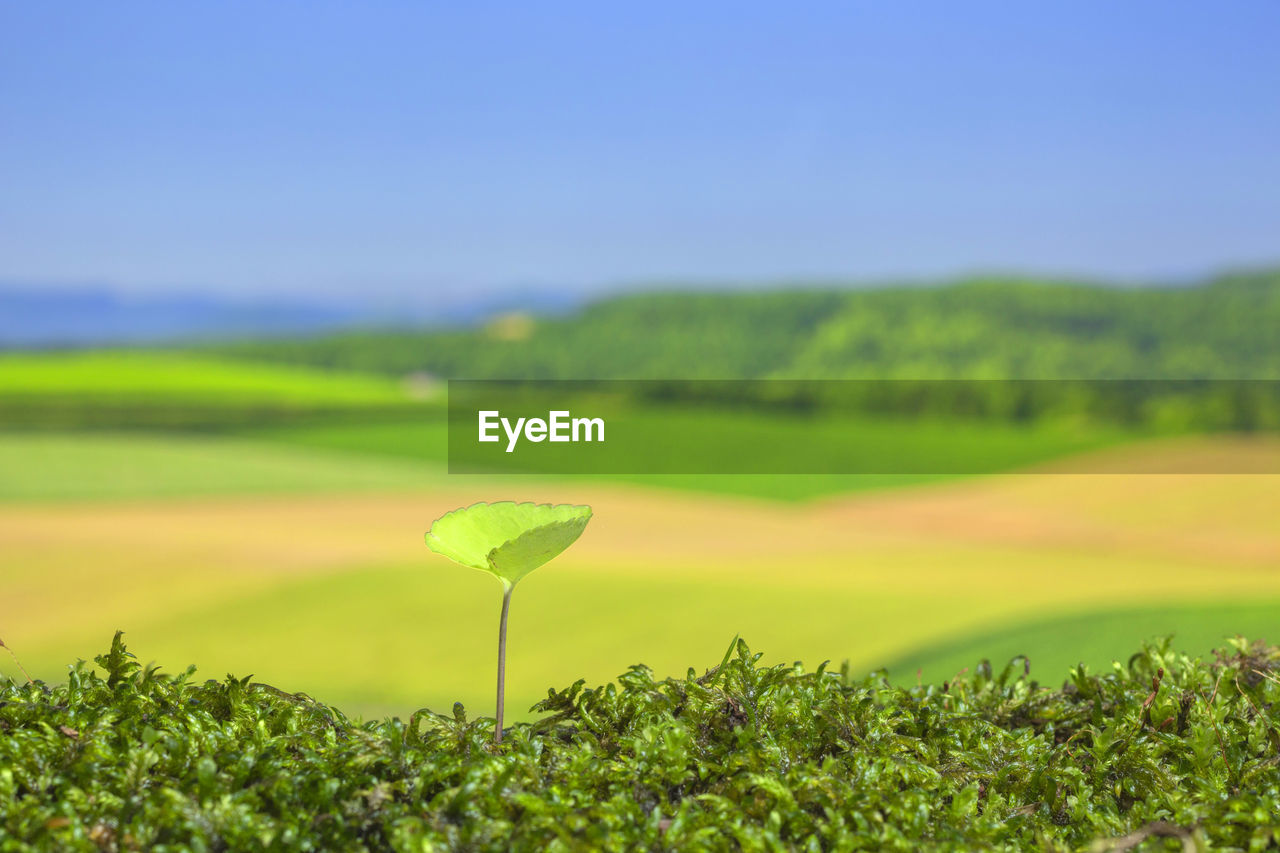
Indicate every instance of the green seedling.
{"type": "Point", "coordinates": [508, 540]}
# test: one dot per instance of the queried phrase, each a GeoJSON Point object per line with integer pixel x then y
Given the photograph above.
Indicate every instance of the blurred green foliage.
{"type": "Point", "coordinates": [1163, 748]}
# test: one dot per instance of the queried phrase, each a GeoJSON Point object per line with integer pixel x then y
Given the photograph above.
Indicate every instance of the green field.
{"type": "Point", "coordinates": [68, 465]}
{"type": "Point", "coordinates": [1054, 645]}
{"type": "Point", "coordinates": [181, 377]}
{"type": "Point", "coordinates": [60, 466]}
{"type": "Point", "coordinates": [360, 421]}
{"type": "Point", "coordinates": [933, 450]}
{"type": "Point", "coordinates": [159, 391]}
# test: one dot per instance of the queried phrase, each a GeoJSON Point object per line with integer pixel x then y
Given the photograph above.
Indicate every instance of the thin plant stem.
{"type": "Point", "coordinates": [19, 663]}
{"type": "Point", "coordinates": [502, 661]}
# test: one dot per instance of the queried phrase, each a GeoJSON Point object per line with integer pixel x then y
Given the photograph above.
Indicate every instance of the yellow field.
{"type": "Point", "coordinates": [337, 595]}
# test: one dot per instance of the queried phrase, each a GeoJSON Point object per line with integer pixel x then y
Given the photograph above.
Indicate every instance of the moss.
{"type": "Point", "coordinates": [1164, 750]}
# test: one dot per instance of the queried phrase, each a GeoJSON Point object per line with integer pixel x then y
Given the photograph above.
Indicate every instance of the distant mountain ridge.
{"type": "Point", "coordinates": [87, 315]}
{"type": "Point", "coordinates": [34, 316]}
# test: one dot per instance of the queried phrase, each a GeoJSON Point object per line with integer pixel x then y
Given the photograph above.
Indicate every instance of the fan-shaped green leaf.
{"type": "Point", "coordinates": [507, 539]}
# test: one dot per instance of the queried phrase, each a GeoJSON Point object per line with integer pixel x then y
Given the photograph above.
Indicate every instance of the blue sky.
{"type": "Point", "coordinates": [411, 149]}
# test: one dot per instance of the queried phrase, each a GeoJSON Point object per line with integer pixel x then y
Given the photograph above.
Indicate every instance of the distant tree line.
{"type": "Point", "coordinates": [1224, 329]}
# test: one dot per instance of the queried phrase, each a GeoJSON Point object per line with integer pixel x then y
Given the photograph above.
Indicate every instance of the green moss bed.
{"type": "Point", "coordinates": [1161, 752]}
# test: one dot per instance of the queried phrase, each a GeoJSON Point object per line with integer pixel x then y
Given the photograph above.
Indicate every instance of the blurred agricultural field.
{"type": "Point", "coordinates": [334, 593]}
{"type": "Point", "coordinates": [257, 518]}
{"type": "Point", "coordinates": [80, 391]}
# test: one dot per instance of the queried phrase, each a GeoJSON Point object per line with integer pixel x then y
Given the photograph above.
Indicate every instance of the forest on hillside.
{"type": "Point", "coordinates": [1226, 328]}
